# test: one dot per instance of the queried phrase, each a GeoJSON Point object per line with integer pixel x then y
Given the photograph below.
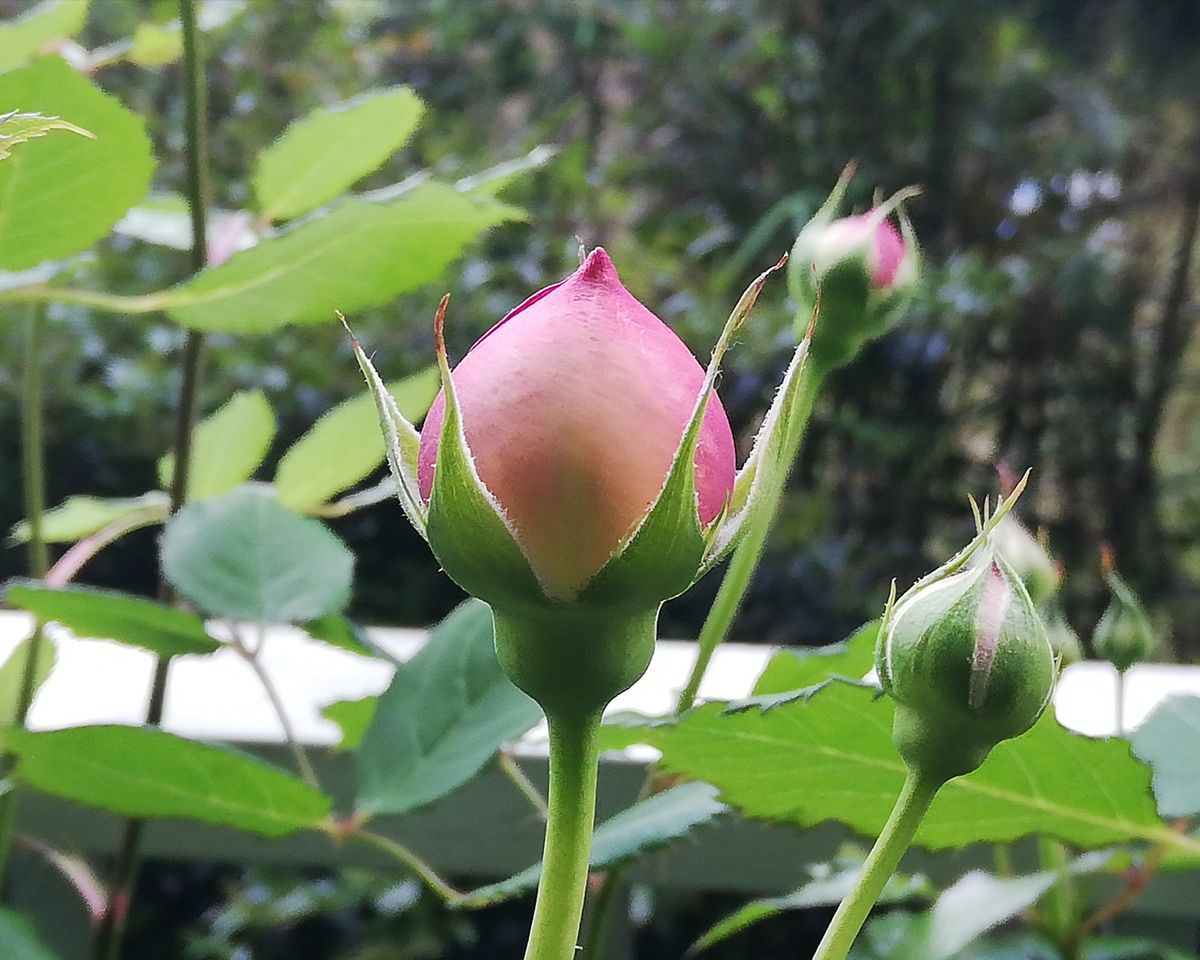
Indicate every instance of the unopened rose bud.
{"type": "Point", "coordinates": [576, 471]}
{"type": "Point", "coordinates": [1124, 635]}
{"type": "Point", "coordinates": [574, 406]}
{"type": "Point", "coordinates": [862, 271]}
{"type": "Point", "coordinates": [1063, 638]}
{"type": "Point", "coordinates": [873, 243]}
{"type": "Point", "coordinates": [1028, 558]}
{"type": "Point", "coordinates": [967, 660]}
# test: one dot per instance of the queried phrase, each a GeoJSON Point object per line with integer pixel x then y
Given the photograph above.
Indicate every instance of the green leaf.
{"type": "Point", "coordinates": [227, 447]}
{"type": "Point", "coordinates": [17, 128]}
{"type": "Point", "coordinates": [155, 44]}
{"type": "Point", "coordinates": [58, 195]}
{"type": "Point", "coordinates": [444, 716]}
{"type": "Point", "coordinates": [78, 517]}
{"type": "Point", "coordinates": [795, 669]}
{"type": "Point", "coordinates": [358, 255]}
{"type": "Point", "coordinates": [106, 615]}
{"type": "Point", "coordinates": [245, 556]}
{"type": "Point", "coordinates": [971, 907]}
{"type": "Point", "coordinates": [353, 717]}
{"type": "Point", "coordinates": [143, 772]}
{"type": "Point", "coordinates": [828, 755]}
{"type": "Point", "coordinates": [24, 38]}
{"type": "Point", "coordinates": [18, 939]}
{"type": "Point", "coordinates": [346, 445]}
{"type": "Point", "coordinates": [12, 675]}
{"type": "Point", "coordinates": [337, 631]}
{"type": "Point", "coordinates": [827, 888]}
{"type": "Point", "coordinates": [1167, 740]}
{"type": "Point", "coordinates": [1127, 948]}
{"type": "Point", "coordinates": [320, 156]}
{"type": "Point", "coordinates": [646, 826]}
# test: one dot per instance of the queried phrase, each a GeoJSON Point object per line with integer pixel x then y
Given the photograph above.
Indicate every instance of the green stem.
{"type": "Point", "coordinates": [881, 863]}
{"type": "Point", "coordinates": [424, 872]}
{"type": "Point", "coordinates": [749, 550]}
{"type": "Point", "coordinates": [111, 932]}
{"type": "Point", "coordinates": [33, 466]}
{"type": "Point", "coordinates": [573, 768]}
{"type": "Point", "coordinates": [516, 776]}
{"type": "Point", "coordinates": [1120, 703]}
{"type": "Point", "coordinates": [1058, 904]}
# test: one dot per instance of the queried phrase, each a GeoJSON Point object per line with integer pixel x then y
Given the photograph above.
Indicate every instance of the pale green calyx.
{"type": "Point", "coordinates": [966, 658]}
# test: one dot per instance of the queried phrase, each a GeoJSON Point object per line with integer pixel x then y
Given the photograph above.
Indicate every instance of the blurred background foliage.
{"type": "Point", "coordinates": [1056, 147]}
{"type": "Point", "coordinates": [1056, 144]}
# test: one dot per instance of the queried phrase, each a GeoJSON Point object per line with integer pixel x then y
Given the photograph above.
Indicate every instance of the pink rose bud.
{"type": "Point", "coordinates": [573, 407]}
{"type": "Point", "coordinates": [861, 271]}
{"type": "Point", "coordinates": [890, 264]}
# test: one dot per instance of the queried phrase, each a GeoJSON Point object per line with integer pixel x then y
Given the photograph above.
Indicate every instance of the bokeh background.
{"type": "Point", "coordinates": [1057, 144]}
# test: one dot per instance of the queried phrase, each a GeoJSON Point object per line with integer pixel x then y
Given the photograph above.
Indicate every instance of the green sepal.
{"type": "Point", "coordinates": [770, 458]}
{"type": "Point", "coordinates": [985, 523]}
{"type": "Point", "coordinates": [467, 529]}
{"type": "Point", "coordinates": [401, 437]}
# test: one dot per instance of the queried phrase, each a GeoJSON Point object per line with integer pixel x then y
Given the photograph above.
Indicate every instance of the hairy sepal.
{"type": "Point", "coordinates": [401, 438]}
{"type": "Point", "coordinates": [769, 460]}
{"type": "Point", "coordinates": [985, 523]}
{"type": "Point", "coordinates": [665, 553]}
{"type": "Point", "coordinates": [467, 528]}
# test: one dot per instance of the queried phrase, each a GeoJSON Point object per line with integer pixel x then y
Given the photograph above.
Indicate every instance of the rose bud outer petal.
{"type": "Point", "coordinates": [574, 406]}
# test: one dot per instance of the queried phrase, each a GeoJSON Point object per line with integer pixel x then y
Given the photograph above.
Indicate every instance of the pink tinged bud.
{"type": "Point", "coordinates": [573, 407]}
{"type": "Point", "coordinates": [888, 258]}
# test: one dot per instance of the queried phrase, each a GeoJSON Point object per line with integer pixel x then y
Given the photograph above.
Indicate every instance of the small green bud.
{"type": "Point", "coordinates": [967, 660]}
{"type": "Point", "coordinates": [1063, 638]}
{"type": "Point", "coordinates": [1027, 557]}
{"type": "Point", "coordinates": [1124, 635]}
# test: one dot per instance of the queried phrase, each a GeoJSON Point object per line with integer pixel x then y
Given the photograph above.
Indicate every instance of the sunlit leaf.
{"type": "Point", "coordinates": [142, 772]}
{"type": "Point", "coordinates": [78, 517]}
{"type": "Point", "coordinates": [34, 32]}
{"type": "Point", "coordinates": [12, 675]}
{"type": "Point", "coordinates": [795, 669]}
{"type": "Point", "coordinates": [320, 156]}
{"type": "Point", "coordinates": [60, 194]}
{"type": "Point", "coordinates": [227, 447]}
{"type": "Point", "coordinates": [358, 255]}
{"type": "Point", "coordinates": [829, 756]}
{"type": "Point", "coordinates": [346, 445]}
{"type": "Point", "coordinates": [106, 615]}
{"type": "Point", "coordinates": [352, 717]}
